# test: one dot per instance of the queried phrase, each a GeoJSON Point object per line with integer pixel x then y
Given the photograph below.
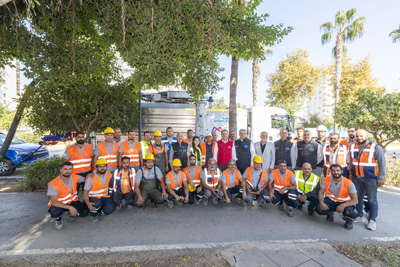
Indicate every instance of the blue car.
{"type": "Point", "coordinates": [18, 152]}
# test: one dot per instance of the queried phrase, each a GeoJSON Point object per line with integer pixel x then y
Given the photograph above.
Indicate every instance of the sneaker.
{"type": "Point", "coordinates": [59, 224]}
{"type": "Point", "coordinates": [179, 203]}
{"type": "Point", "coordinates": [170, 204]}
{"type": "Point", "coordinates": [261, 202]}
{"type": "Point", "coordinates": [371, 225]}
{"type": "Point", "coordinates": [197, 201]}
{"type": "Point", "coordinates": [215, 200]}
{"type": "Point", "coordinates": [238, 201]}
{"type": "Point", "coordinates": [204, 201]}
{"type": "Point", "coordinates": [130, 207]}
{"type": "Point", "coordinates": [280, 206]}
{"type": "Point", "coordinates": [95, 219]}
{"type": "Point", "coordinates": [291, 211]}
{"type": "Point", "coordinates": [311, 211]}
{"type": "Point", "coordinates": [70, 218]}
{"type": "Point", "coordinates": [330, 217]}
{"type": "Point", "coordinates": [267, 199]}
{"type": "Point", "coordinates": [348, 225]}
{"type": "Point", "coordinates": [359, 219]}
{"type": "Point", "coordinates": [118, 207]}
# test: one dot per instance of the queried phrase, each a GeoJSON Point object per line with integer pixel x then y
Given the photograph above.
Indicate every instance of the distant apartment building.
{"type": "Point", "coordinates": [322, 103]}
{"type": "Point", "coordinates": [10, 85]}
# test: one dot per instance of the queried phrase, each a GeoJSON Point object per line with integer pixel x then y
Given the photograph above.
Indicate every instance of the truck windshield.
{"type": "Point", "coordinates": [281, 121]}
{"type": "Point", "coordinates": [15, 141]}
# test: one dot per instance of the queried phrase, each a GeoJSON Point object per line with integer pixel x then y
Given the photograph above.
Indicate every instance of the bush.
{"type": "Point", "coordinates": [30, 137]}
{"type": "Point", "coordinates": [392, 176]}
{"type": "Point", "coordinates": [39, 173]}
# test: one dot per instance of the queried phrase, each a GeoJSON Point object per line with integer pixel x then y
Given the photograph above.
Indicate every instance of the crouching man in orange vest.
{"type": "Point", "coordinates": [340, 196]}
{"type": "Point", "coordinates": [64, 197]}
{"type": "Point", "coordinates": [96, 191]}
{"type": "Point", "coordinates": [232, 183]}
{"type": "Point", "coordinates": [257, 181]}
{"type": "Point", "coordinates": [210, 182]}
{"type": "Point", "coordinates": [194, 174]}
{"type": "Point", "coordinates": [177, 187]}
{"type": "Point", "coordinates": [123, 181]}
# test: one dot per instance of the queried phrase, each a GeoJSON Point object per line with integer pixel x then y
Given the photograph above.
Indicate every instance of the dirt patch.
{"type": "Point", "coordinates": [371, 255]}
{"type": "Point", "coordinates": [9, 185]}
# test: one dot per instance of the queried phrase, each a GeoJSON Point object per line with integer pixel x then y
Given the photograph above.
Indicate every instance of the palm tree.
{"type": "Point", "coordinates": [256, 72]}
{"type": "Point", "coordinates": [395, 35]}
{"type": "Point", "coordinates": [347, 29]}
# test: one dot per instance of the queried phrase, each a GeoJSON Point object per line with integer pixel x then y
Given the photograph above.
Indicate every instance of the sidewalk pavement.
{"type": "Point", "coordinates": [285, 254]}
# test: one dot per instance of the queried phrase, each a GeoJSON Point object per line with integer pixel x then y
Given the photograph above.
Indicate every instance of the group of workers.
{"type": "Point", "coordinates": [326, 175]}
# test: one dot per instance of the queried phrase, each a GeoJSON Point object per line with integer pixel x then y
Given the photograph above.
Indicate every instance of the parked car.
{"type": "Point", "coordinates": [20, 151]}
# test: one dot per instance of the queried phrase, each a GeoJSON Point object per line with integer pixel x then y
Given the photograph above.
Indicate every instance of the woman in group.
{"type": "Point", "coordinates": [195, 150]}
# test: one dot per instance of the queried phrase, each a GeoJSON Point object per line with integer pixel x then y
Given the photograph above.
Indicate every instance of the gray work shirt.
{"type": "Point", "coordinates": [176, 178]}
{"type": "Point", "coordinates": [379, 156]}
{"type": "Point", "coordinates": [147, 174]}
{"type": "Point", "coordinates": [231, 178]}
{"type": "Point", "coordinates": [80, 149]}
{"type": "Point", "coordinates": [335, 188]}
{"type": "Point", "coordinates": [255, 177]}
{"type": "Point", "coordinates": [192, 173]}
{"type": "Point", "coordinates": [52, 191]}
{"type": "Point", "coordinates": [88, 183]}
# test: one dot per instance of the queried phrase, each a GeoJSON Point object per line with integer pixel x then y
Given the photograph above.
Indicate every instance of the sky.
{"type": "Point", "coordinates": [306, 17]}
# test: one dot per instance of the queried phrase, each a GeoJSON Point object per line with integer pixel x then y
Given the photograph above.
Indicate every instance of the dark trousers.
{"type": "Point", "coordinates": [196, 195]}
{"type": "Point", "coordinates": [104, 204]}
{"type": "Point", "coordinates": [290, 198]}
{"type": "Point", "coordinates": [242, 167]}
{"type": "Point", "coordinates": [129, 197]}
{"type": "Point", "coordinates": [313, 202]}
{"type": "Point", "coordinates": [233, 190]}
{"type": "Point", "coordinates": [222, 167]}
{"type": "Point", "coordinates": [180, 192]}
{"type": "Point", "coordinates": [83, 211]}
{"type": "Point", "coordinates": [349, 213]}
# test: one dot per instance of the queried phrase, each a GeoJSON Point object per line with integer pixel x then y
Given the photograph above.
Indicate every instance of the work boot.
{"type": "Point", "coordinates": [261, 202]}
{"type": "Point", "coordinates": [290, 211]}
{"type": "Point", "coordinates": [267, 199]}
{"type": "Point", "coordinates": [371, 225]}
{"type": "Point", "coordinates": [95, 219]}
{"type": "Point", "coordinates": [215, 200]}
{"type": "Point", "coordinates": [70, 218]}
{"type": "Point", "coordinates": [197, 201]}
{"type": "Point", "coordinates": [118, 207]}
{"type": "Point", "coordinates": [170, 204]}
{"type": "Point", "coordinates": [310, 211]}
{"type": "Point", "coordinates": [205, 201]}
{"type": "Point", "coordinates": [359, 219]}
{"type": "Point", "coordinates": [330, 217]}
{"type": "Point", "coordinates": [179, 203]}
{"type": "Point", "coordinates": [58, 224]}
{"type": "Point", "coordinates": [238, 201]}
{"type": "Point", "coordinates": [130, 206]}
{"type": "Point", "coordinates": [300, 207]}
{"type": "Point", "coordinates": [348, 225]}
{"type": "Point", "coordinates": [153, 205]}
{"type": "Point", "coordinates": [280, 206]}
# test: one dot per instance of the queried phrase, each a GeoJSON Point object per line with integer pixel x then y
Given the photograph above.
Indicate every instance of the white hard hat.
{"type": "Point", "coordinates": [208, 134]}
{"type": "Point", "coordinates": [322, 128]}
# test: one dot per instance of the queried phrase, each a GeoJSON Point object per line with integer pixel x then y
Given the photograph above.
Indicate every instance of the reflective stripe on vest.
{"type": "Point", "coordinates": [341, 156]}
{"type": "Point", "coordinates": [196, 179]}
{"type": "Point", "coordinates": [210, 181]}
{"type": "Point", "coordinates": [111, 159]}
{"type": "Point", "coordinates": [117, 179]}
{"type": "Point", "coordinates": [99, 189]}
{"type": "Point", "coordinates": [309, 185]}
{"type": "Point", "coordinates": [236, 176]}
{"type": "Point", "coordinates": [132, 153]}
{"type": "Point", "coordinates": [170, 177]}
{"type": "Point", "coordinates": [344, 190]}
{"type": "Point", "coordinates": [203, 148]}
{"type": "Point", "coordinates": [195, 154]}
{"type": "Point", "coordinates": [249, 172]}
{"type": "Point", "coordinates": [278, 183]}
{"type": "Point", "coordinates": [365, 164]}
{"type": "Point", "coordinates": [81, 162]}
{"type": "Point", "coordinates": [64, 193]}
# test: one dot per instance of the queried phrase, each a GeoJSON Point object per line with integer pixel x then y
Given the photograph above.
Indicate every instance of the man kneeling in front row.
{"type": "Point", "coordinates": [340, 196]}
{"type": "Point", "coordinates": [124, 184]}
{"type": "Point", "coordinates": [232, 183]}
{"type": "Point", "coordinates": [177, 187]}
{"type": "Point", "coordinates": [64, 197]}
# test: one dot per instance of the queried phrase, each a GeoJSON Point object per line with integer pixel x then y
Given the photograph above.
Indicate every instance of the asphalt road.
{"type": "Point", "coordinates": [25, 225]}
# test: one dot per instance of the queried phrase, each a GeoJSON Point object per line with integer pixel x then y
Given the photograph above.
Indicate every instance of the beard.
{"type": "Point", "coordinates": [334, 143]}
{"type": "Point", "coordinates": [80, 142]}
{"type": "Point", "coordinates": [352, 136]}
{"type": "Point", "coordinates": [336, 177]}
{"type": "Point", "coordinates": [102, 171]}
{"type": "Point", "coordinates": [212, 169]}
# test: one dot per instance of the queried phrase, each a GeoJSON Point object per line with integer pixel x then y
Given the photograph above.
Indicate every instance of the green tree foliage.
{"type": "Point", "coordinates": [395, 35]}
{"type": "Point", "coordinates": [219, 103]}
{"type": "Point", "coordinates": [315, 121]}
{"type": "Point", "coordinates": [376, 112]}
{"type": "Point", "coordinates": [293, 82]}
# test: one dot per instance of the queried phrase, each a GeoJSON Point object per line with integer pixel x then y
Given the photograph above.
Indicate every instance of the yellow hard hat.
{"type": "Point", "coordinates": [157, 133]}
{"type": "Point", "coordinates": [176, 163]}
{"type": "Point", "coordinates": [191, 189]}
{"type": "Point", "coordinates": [108, 130]}
{"type": "Point", "coordinates": [257, 159]}
{"type": "Point", "coordinates": [149, 157]}
{"type": "Point", "coordinates": [101, 162]}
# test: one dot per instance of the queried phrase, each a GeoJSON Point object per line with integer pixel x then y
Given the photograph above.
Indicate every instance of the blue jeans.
{"type": "Point", "coordinates": [349, 213]}
{"type": "Point", "coordinates": [290, 198]}
{"type": "Point", "coordinates": [180, 192]}
{"type": "Point", "coordinates": [231, 191]}
{"type": "Point", "coordinates": [369, 187]}
{"type": "Point", "coordinates": [104, 204]}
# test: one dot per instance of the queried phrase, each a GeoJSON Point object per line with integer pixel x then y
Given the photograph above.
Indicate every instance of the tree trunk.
{"type": "Point", "coordinates": [338, 69]}
{"type": "Point", "coordinates": [255, 69]}
{"type": "Point", "coordinates": [232, 94]}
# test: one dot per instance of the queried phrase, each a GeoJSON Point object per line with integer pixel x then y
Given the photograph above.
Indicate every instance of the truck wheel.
{"type": "Point", "coordinates": [6, 167]}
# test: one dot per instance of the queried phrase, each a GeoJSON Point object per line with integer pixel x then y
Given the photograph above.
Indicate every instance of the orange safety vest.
{"type": "Point", "coordinates": [111, 159]}
{"type": "Point", "coordinates": [365, 165]}
{"type": "Point", "coordinates": [154, 151]}
{"type": "Point", "coordinates": [344, 190]}
{"type": "Point", "coordinates": [236, 175]}
{"type": "Point", "coordinates": [249, 172]}
{"type": "Point", "coordinates": [204, 151]}
{"type": "Point", "coordinates": [117, 179]}
{"type": "Point", "coordinates": [133, 154]}
{"type": "Point", "coordinates": [170, 177]}
{"type": "Point", "coordinates": [65, 195]}
{"type": "Point", "coordinates": [99, 190]}
{"type": "Point", "coordinates": [278, 183]}
{"type": "Point", "coordinates": [345, 142]}
{"type": "Point", "coordinates": [196, 178]}
{"type": "Point", "coordinates": [210, 181]}
{"type": "Point", "coordinates": [82, 162]}
{"type": "Point", "coordinates": [341, 156]}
